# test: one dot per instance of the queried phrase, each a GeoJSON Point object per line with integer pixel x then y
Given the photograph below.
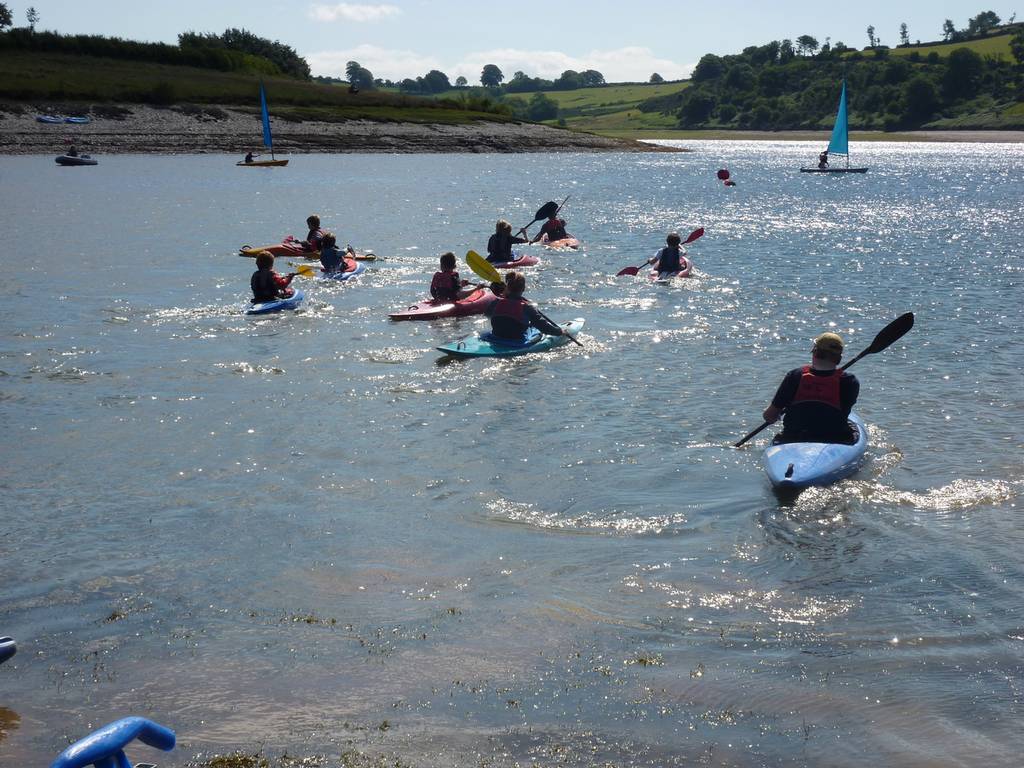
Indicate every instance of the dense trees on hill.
{"type": "Point", "coordinates": [283, 56]}
{"type": "Point", "coordinates": [234, 51]}
{"type": "Point", "coordinates": [775, 86]}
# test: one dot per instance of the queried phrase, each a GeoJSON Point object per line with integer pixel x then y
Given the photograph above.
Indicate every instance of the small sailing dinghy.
{"type": "Point", "coordinates": [839, 143]}
{"type": "Point", "coordinates": [268, 139]}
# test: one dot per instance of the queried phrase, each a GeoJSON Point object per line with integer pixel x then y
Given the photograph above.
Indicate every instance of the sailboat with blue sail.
{"type": "Point", "coordinates": [838, 145]}
{"type": "Point", "coordinates": [268, 139]}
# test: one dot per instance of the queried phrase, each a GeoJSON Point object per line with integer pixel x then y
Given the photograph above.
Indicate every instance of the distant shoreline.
{"type": "Point", "coordinates": [145, 129]}
{"type": "Point", "coordinates": [970, 136]}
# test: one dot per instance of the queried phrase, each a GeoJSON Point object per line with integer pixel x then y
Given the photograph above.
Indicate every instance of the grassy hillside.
{"type": "Point", "coordinates": [40, 77]}
{"type": "Point", "coordinates": [612, 108]}
{"type": "Point", "coordinates": [995, 46]}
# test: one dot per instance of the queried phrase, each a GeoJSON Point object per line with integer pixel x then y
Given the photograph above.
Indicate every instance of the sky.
{"type": "Point", "coordinates": [626, 40]}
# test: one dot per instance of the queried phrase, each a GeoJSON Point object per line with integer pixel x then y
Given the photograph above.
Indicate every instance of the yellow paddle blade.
{"type": "Point", "coordinates": [305, 270]}
{"type": "Point", "coordinates": [483, 267]}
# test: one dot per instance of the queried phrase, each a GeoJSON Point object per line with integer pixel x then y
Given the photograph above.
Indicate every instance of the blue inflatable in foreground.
{"type": "Point", "coordinates": [105, 748]}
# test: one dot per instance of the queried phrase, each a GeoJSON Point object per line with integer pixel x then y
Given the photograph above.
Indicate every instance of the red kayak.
{"type": "Point", "coordinates": [522, 261]}
{"type": "Point", "coordinates": [474, 304]}
{"type": "Point", "coordinates": [559, 245]}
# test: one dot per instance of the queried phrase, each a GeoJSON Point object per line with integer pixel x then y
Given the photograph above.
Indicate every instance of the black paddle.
{"type": "Point", "coordinates": [885, 338]}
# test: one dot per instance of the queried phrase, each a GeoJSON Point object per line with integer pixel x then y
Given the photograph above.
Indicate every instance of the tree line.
{"type": "Point", "coordinates": [236, 50]}
{"type": "Point", "coordinates": [787, 86]}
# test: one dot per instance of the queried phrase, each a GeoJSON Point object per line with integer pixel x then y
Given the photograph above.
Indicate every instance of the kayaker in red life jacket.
{"type": "Point", "coordinates": [499, 246]}
{"type": "Point", "coordinates": [816, 398]}
{"type": "Point", "coordinates": [446, 285]}
{"type": "Point", "coordinates": [315, 236]}
{"type": "Point", "coordinates": [512, 315]}
{"type": "Point", "coordinates": [554, 228]}
{"type": "Point", "coordinates": [672, 258]}
{"type": "Point", "coordinates": [332, 258]}
{"type": "Point", "coordinates": [266, 284]}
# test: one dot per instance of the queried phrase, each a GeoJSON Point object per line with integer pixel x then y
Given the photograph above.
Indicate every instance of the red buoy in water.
{"type": "Point", "coordinates": [723, 174]}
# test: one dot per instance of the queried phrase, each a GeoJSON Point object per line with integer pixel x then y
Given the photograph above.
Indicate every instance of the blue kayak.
{"type": "Point", "coordinates": [7, 648]}
{"type": "Point", "coordinates": [77, 120]}
{"type": "Point", "coordinates": [799, 465]}
{"type": "Point", "coordinates": [292, 302]}
{"type": "Point", "coordinates": [486, 345]}
{"type": "Point", "coordinates": [344, 275]}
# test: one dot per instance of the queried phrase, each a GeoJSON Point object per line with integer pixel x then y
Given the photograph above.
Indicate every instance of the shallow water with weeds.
{"type": "Point", "coordinates": [308, 538]}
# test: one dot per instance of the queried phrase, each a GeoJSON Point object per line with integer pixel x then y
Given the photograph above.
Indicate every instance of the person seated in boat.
{"type": "Point", "coordinates": [447, 285]}
{"type": "Point", "coordinates": [671, 258]}
{"type": "Point", "coordinates": [823, 160]}
{"type": "Point", "coordinates": [817, 398]}
{"type": "Point", "coordinates": [315, 236]}
{"type": "Point", "coordinates": [512, 315]}
{"type": "Point", "coordinates": [332, 258]}
{"type": "Point", "coordinates": [72, 152]}
{"type": "Point", "coordinates": [249, 157]}
{"type": "Point", "coordinates": [266, 284]}
{"type": "Point", "coordinates": [499, 246]}
{"type": "Point", "coordinates": [554, 228]}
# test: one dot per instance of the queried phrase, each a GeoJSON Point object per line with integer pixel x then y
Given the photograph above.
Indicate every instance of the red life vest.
{"type": "Point", "coordinates": [818, 388]}
{"type": "Point", "coordinates": [513, 308]}
{"type": "Point", "coordinates": [445, 286]}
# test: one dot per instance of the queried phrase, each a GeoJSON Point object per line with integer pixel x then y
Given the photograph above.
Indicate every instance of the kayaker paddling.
{"type": "Point", "coordinates": [817, 398]}
{"type": "Point", "coordinates": [315, 236]}
{"type": "Point", "coordinates": [332, 258]}
{"type": "Point", "coordinates": [672, 258]}
{"type": "Point", "coordinates": [446, 284]}
{"type": "Point", "coordinates": [512, 315]}
{"type": "Point", "coordinates": [553, 228]}
{"type": "Point", "coordinates": [266, 284]}
{"type": "Point", "coordinates": [499, 246]}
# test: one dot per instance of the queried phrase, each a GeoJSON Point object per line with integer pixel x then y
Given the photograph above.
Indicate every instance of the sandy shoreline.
{"type": "Point", "coordinates": [171, 131]}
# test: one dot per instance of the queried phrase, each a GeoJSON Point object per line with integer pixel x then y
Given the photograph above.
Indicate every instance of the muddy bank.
{"type": "Point", "coordinates": [137, 128]}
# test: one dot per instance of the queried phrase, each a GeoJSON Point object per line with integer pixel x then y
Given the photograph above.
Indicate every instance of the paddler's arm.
{"type": "Point", "coordinates": [533, 317]}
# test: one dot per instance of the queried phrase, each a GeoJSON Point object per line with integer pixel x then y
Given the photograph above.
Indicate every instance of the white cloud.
{"type": "Point", "coordinates": [382, 62]}
{"type": "Point", "coordinates": [629, 64]}
{"type": "Point", "coordinates": [352, 12]}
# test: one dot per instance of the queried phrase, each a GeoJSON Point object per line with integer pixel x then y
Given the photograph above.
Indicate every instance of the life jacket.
{"type": "Point", "coordinates": [819, 389]}
{"type": "Point", "coordinates": [670, 259]}
{"type": "Point", "coordinates": [264, 286]}
{"type": "Point", "coordinates": [508, 318]}
{"type": "Point", "coordinates": [313, 239]}
{"type": "Point", "coordinates": [555, 229]}
{"type": "Point", "coordinates": [499, 248]}
{"type": "Point", "coordinates": [445, 286]}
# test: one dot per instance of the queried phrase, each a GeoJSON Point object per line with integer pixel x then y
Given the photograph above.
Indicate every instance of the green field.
{"type": "Point", "coordinates": [996, 46]}
{"type": "Point", "coordinates": [612, 108]}
{"type": "Point", "coordinates": [30, 76]}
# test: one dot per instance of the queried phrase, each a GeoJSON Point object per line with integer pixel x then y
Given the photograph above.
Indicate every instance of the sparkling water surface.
{"type": "Point", "coordinates": [310, 533]}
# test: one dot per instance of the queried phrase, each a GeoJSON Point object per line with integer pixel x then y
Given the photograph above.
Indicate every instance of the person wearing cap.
{"type": "Point", "coordinates": [817, 398]}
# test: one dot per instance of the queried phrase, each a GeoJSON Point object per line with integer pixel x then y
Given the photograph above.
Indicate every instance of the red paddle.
{"type": "Point", "coordinates": [695, 235]}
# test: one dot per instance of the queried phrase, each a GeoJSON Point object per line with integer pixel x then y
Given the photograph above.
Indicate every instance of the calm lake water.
{"type": "Point", "coordinates": [308, 533]}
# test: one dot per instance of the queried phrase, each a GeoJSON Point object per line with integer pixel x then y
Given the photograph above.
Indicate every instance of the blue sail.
{"type": "Point", "coordinates": [268, 141]}
{"type": "Point", "coordinates": [840, 142]}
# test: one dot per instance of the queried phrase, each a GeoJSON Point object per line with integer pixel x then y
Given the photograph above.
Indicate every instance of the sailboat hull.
{"type": "Point", "coordinates": [263, 163]}
{"type": "Point", "coordinates": [833, 170]}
